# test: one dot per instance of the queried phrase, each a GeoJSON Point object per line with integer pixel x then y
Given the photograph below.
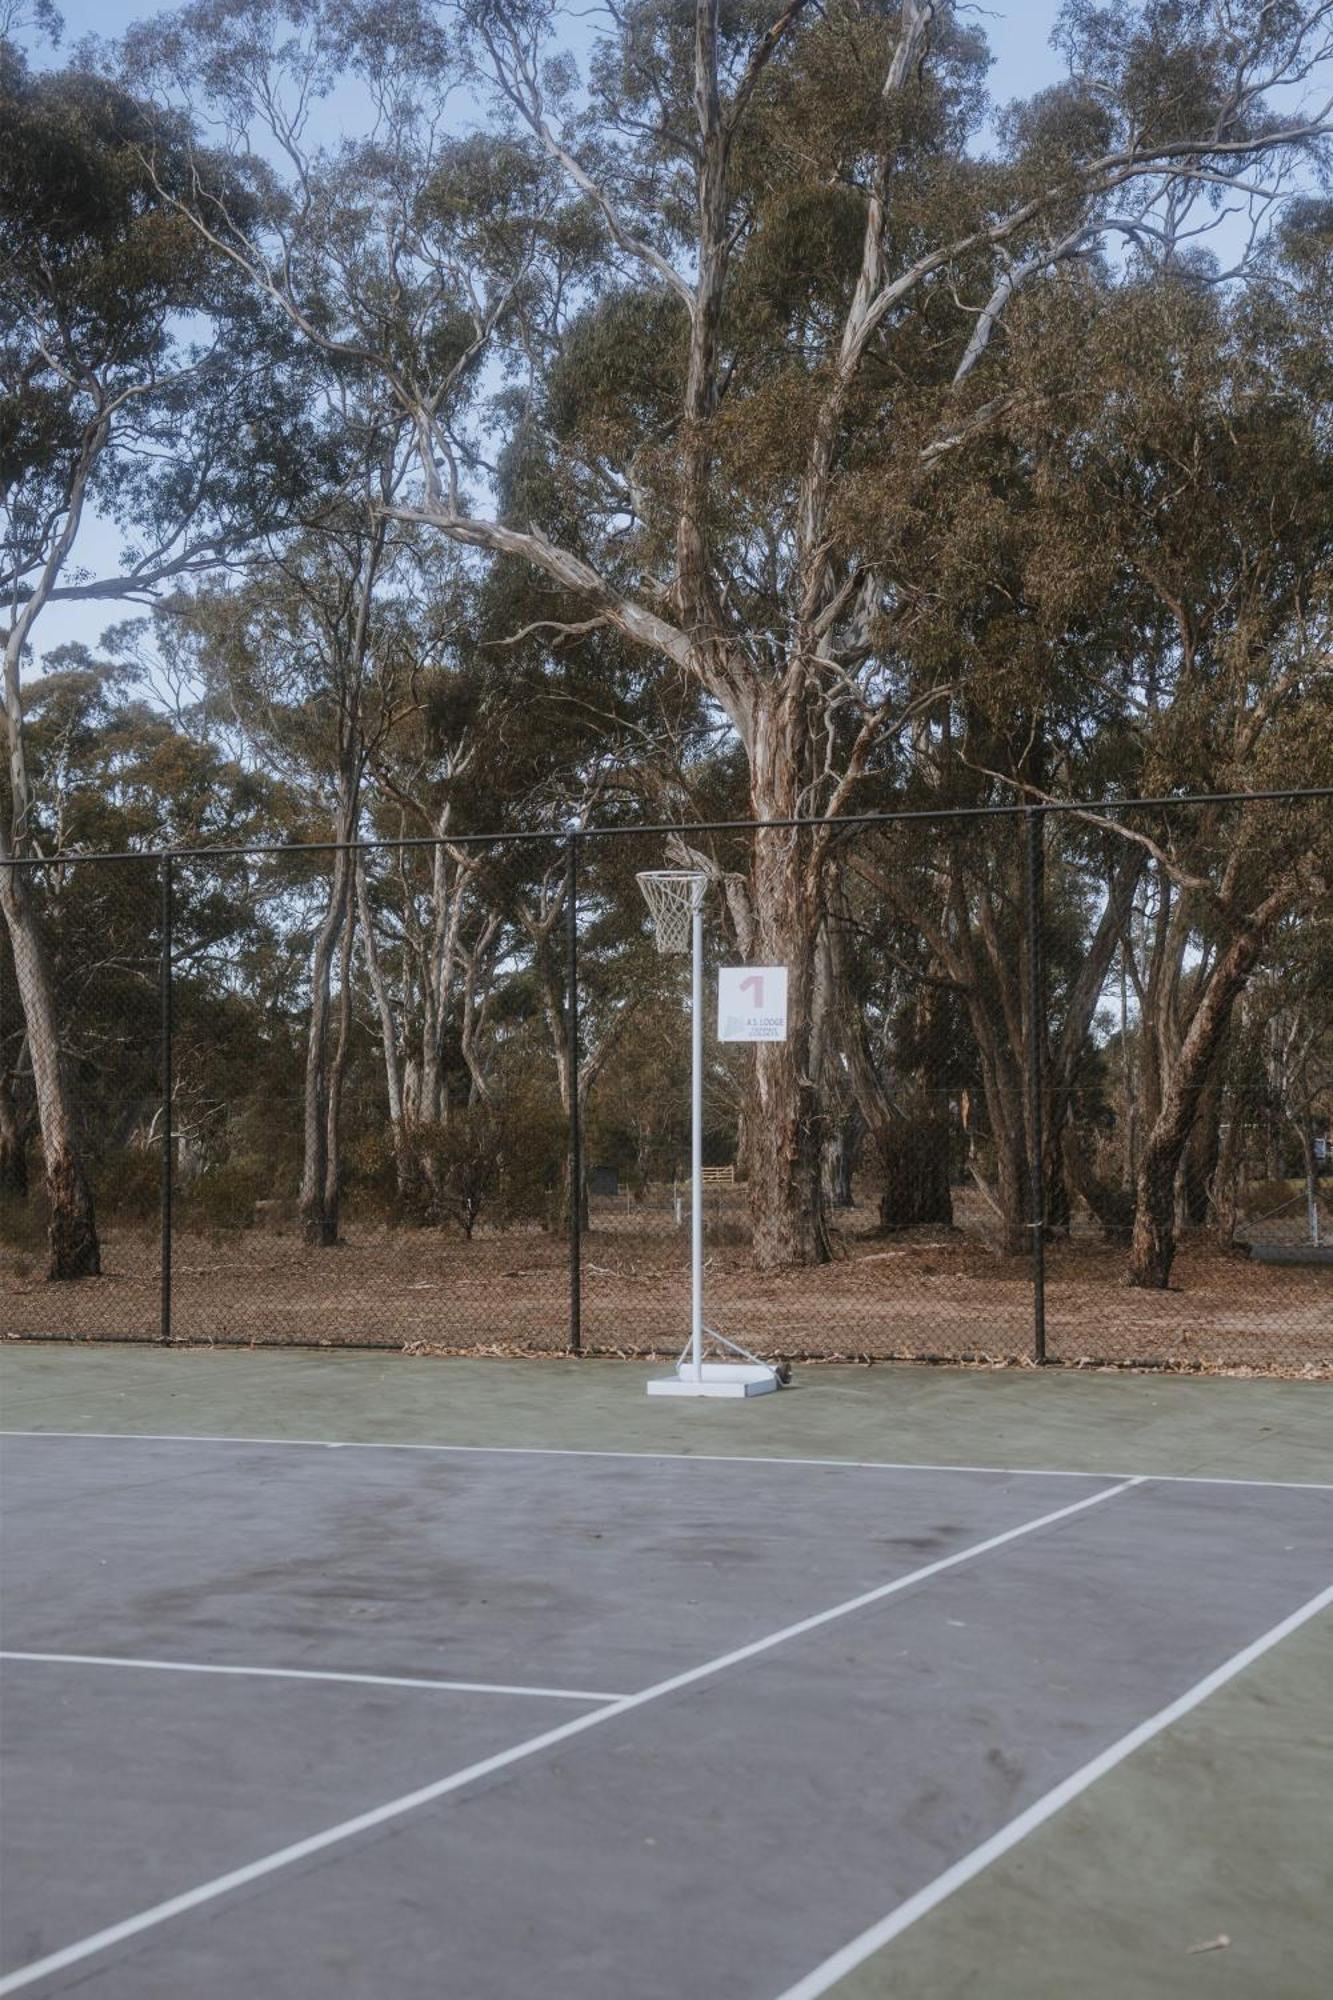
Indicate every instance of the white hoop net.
{"type": "Point", "coordinates": [672, 897]}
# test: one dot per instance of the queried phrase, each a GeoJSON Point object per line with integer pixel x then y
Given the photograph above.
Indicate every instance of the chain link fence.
{"type": "Point", "coordinates": [1057, 1086]}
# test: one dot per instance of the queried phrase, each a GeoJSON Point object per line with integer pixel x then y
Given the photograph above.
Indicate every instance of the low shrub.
{"type": "Point", "coordinates": [728, 1235]}
{"type": "Point", "coordinates": [499, 1165]}
{"type": "Point", "coordinates": [1259, 1198]}
{"type": "Point", "coordinates": [223, 1198]}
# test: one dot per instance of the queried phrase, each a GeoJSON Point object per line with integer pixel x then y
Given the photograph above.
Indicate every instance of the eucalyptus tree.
{"type": "Point", "coordinates": [1209, 473]}
{"type": "Point", "coordinates": [1127, 592]}
{"type": "Point", "coordinates": [803, 259]}
{"type": "Point", "coordinates": [315, 653]}
{"type": "Point", "coordinates": [465, 936]}
{"type": "Point", "coordinates": [137, 381]}
{"type": "Point", "coordinates": [112, 771]}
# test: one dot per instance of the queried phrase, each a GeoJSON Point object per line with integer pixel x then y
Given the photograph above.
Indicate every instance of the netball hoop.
{"type": "Point", "coordinates": [675, 898]}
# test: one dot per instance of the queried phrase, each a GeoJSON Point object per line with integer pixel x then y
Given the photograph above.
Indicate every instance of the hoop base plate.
{"type": "Point", "coordinates": [717, 1378]}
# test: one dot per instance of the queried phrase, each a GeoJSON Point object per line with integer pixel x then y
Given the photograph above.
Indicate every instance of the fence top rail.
{"type": "Point", "coordinates": [559, 836]}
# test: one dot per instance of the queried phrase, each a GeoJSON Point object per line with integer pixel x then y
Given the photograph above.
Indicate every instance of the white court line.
{"type": "Point", "coordinates": [870, 1941]}
{"type": "Point", "coordinates": [366, 1822]}
{"type": "Point", "coordinates": [306, 1674]}
{"type": "Point", "coordinates": [678, 1457]}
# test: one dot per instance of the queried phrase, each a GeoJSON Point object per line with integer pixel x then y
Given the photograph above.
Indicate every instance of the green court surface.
{"type": "Point", "coordinates": [1196, 1863]}
{"type": "Point", "coordinates": [1180, 1425]}
{"type": "Point", "coordinates": [1220, 1828]}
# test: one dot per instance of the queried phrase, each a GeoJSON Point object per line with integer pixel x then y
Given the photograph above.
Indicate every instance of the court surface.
{"type": "Point", "coordinates": [638, 1704]}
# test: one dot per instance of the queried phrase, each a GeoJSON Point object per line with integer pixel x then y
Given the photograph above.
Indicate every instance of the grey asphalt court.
{"type": "Point", "coordinates": [643, 1708]}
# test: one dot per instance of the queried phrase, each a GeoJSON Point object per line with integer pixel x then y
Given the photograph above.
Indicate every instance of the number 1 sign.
{"type": "Point", "coordinates": [752, 1003]}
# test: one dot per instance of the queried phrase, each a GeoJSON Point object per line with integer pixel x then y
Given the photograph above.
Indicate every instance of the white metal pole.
{"type": "Point", "coordinates": [697, 1142]}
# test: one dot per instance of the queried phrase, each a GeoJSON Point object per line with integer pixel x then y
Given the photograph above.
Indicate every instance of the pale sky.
{"type": "Point", "coordinates": [1018, 31]}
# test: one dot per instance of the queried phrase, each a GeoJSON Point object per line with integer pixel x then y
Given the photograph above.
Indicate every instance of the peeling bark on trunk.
{"type": "Point", "coordinates": [785, 1140]}
{"type": "Point", "coordinates": [787, 1212]}
{"type": "Point", "coordinates": [74, 1251]}
{"type": "Point", "coordinates": [393, 1082]}
{"type": "Point", "coordinates": [1153, 1246]}
{"type": "Point", "coordinates": [72, 1235]}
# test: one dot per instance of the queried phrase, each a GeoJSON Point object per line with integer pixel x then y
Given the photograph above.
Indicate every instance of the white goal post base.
{"type": "Point", "coordinates": [747, 1375]}
{"type": "Point", "coordinates": [717, 1378]}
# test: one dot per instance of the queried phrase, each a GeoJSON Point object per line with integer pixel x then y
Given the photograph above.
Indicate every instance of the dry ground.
{"type": "Point", "coordinates": [936, 1294]}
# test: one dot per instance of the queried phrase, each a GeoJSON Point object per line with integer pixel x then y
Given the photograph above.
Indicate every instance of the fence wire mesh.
{"type": "Point", "coordinates": [1056, 1085]}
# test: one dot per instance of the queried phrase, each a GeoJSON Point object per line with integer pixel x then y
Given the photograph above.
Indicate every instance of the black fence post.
{"type": "Point", "coordinates": [575, 1118]}
{"type": "Point", "coordinates": [1036, 1043]}
{"type": "Point", "coordinates": [167, 1080]}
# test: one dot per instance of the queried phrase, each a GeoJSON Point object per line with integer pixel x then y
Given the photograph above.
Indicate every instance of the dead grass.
{"type": "Point", "coordinates": [939, 1295]}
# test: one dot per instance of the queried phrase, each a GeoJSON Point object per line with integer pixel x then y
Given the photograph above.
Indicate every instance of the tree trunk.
{"type": "Point", "coordinates": [1014, 1186]}
{"type": "Point", "coordinates": [914, 1161]}
{"type": "Point", "coordinates": [439, 973]}
{"type": "Point", "coordinates": [315, 1221]}
{"type": "Point", "coordinates": [986, 959]}
{"type": "Point", "coordinates": [785, 1138]}
{"type": "Point", "coordinates": [909, 1134]}
{"type": "Point", "coordinates": [1153, 1245]}
{"type": "Point", "coordinates": [1002, 1087]}
{"type": "Point", "coordinates": [566, 1176]}
{"type": "Point", "coordinates": [1112, 1206]}
{"type": "Point", "coordinates": [13, 1152]}
{"type": "Point", "coordinates": [337, 1073]}
{"type": "Point", "coordinates": [744, 1129]}
{"type": "Point", "coordinates": [1064, 1057]}
{"type": "Point", "coordinates": [1225, 1180]}
{"type": "Point", "coordinates": [1198, 1166]}
{"type": "Point", "coordinates": [393, 1083]}
{"type": "Point", "coordinates": [72, 1237]}
{"type": "Point", "coordinates": [1058, 1208]}
{"type": "Point", "coordinates": [840, 1156]}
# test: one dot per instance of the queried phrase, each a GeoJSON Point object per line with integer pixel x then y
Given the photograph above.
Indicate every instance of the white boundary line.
{"type": "Point", "coordinates": [944, 1885]}
{"type": "Point", "coordinates": [305, 1674]}
{"type": "Point", "coordinates": [679, 1457]}
{"type": "Point", "coordinates": [367, 1822]}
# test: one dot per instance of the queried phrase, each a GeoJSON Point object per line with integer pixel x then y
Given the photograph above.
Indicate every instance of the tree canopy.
{"type": "Point", "coordinates": [744, 420]}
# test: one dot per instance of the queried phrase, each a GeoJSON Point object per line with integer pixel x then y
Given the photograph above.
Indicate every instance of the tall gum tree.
{"type": "Point", "coordinates": [792, 203]}
{"type": "Point", "coordinates": [106, 404]}
{"type": "Point", "coordinates": [1208, 472]}
{"type": "Point", "coordinates": [314, 653]}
